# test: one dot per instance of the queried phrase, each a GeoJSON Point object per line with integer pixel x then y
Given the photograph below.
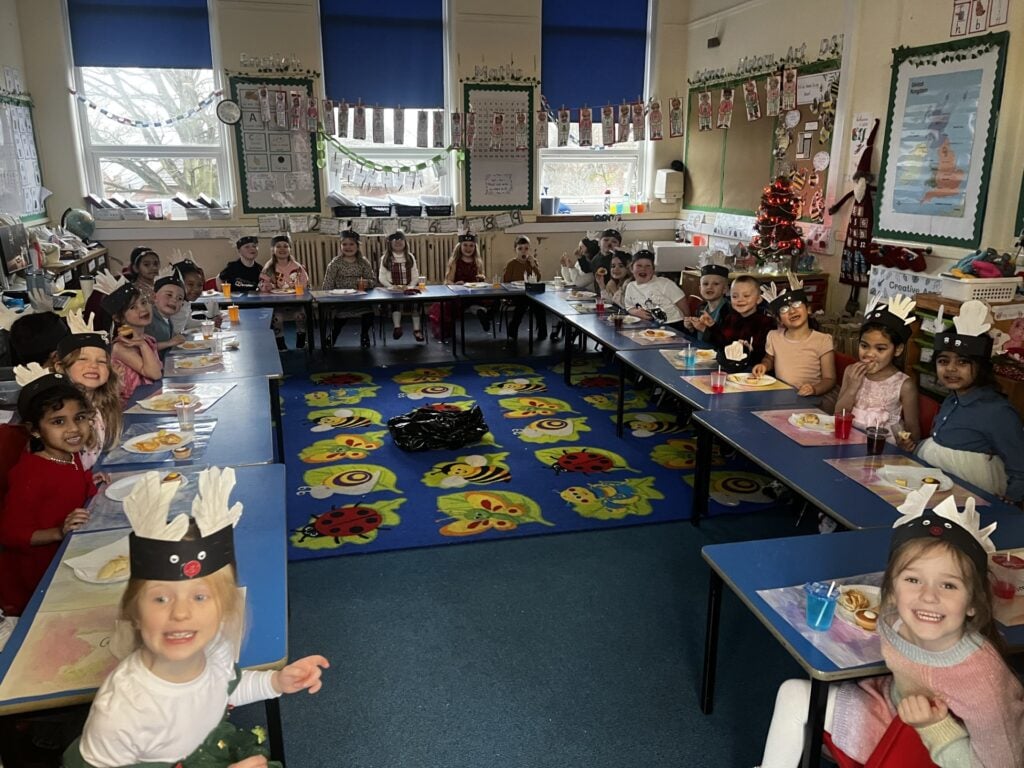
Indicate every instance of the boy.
{"type": "Point", "coordinates": [244, 273]}
{"type": "Point", "coordinates": [609, 244]}
{"type": "Point", "coordinates": [714, 281]}
{"type": "Point", "coordinates": [743, 321]}
{"type": "Point", "coordinates": [168, 296]}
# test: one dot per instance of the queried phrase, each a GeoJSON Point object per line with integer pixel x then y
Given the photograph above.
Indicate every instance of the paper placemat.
{"type": "Point", "coordinates": [780, 420]}
{"type": "Point", "coordinates": [636, 336]}
{"type": "Point", "coordinates": [703, 383]}
{"type": "Point", "coordinates": [172, 363]}
{"type": "Point", "coordinates": [118, 455]}
{"type": "Point", "coordinates": [863, 469]}
{"type": "Point", "coordinates": [105, 513]}
{"type": "Point", "coordinates": [206, 394]}
{"type": "Point", "coordinates": [672, 357]}
{"type": "Point", "coordinates": [844, 644]}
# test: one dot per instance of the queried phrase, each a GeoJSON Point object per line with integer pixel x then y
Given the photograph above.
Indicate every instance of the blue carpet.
{"type": "Point", "coordinates": [550, 463]}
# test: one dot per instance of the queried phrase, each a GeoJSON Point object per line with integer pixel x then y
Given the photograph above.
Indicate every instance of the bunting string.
{"type": "Point", "coordinates": [202, 105]}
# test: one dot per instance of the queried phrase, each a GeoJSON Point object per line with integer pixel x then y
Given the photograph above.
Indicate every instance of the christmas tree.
{"type": "Point", "coordinates": [778, 239]}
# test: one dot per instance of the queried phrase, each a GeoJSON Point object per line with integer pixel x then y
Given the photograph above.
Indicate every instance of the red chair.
{"type": "Point", "coordinates": [13, 443]}
{"type": "Point", "coordinates": [841, 362]}
{"type": "Point", "coordinates": [927, 410]}
{"type": "Point", "coordinates": [210, 284]}
{"type": "Point", "coordinates": [900, 747]}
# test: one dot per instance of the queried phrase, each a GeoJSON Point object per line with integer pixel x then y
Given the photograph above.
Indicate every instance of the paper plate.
{"type": "Point", "coordinates": [343, 291]}
{"type": "Point", "coordinates": [582, 295]}
{"type": "Point", "coordinates": [195, 345]}
{"type": "Point", "coordinates": [151, 442]}
{"type": "Point", "coordinates": [283, 291]}
{"type": "Point", "coordinates": [626, 319]}
{"type": "Point", "coordinates": [873, 594]}
{"type": "Point", "coordinates": [745, 380]}
{"type": "Point", "coordinates": [211, 293]}
{"type": "Point", "coordinates": [87, 567]}
{"type": "Point", "coordinates": [657, 333]}
{"type": "Point", "coordinates": [909, 479]}
{"type": "Point", "coordinates": [825, 423]}
{"type": "Point", "coordinates": [165, 401]}
{"type": "Point", "coordinates": [119, 489]}
{"type": "Point", "coordinates": [705, 355]}
{"type": "Point", "coordinates": [197, 363]}
{"type": "Point", "coordinates": [476, 285]}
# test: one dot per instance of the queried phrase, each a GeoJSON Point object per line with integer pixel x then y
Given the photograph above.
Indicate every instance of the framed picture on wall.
{"type": "Point", "coordinates": [943, 108]}
{"type": "Point", "coordinates": [499, 167]}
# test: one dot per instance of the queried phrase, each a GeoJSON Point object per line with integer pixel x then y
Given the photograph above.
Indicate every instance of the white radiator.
{"type": "Point", "coordinates": [431, 251]}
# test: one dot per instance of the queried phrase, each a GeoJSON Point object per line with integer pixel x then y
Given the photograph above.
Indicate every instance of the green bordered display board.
{"type": "Point", "coordinates": [276, 163]}
{"type": "Point", "coordinates": [21, 182]}
{"type": "Point", "coordinates": [728, 168]}
{"type": "Point", "coordinates": [499, 166]}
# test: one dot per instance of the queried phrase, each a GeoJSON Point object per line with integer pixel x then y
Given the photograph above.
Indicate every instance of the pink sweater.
{"type": "Point", "coordinates": [986, 703]}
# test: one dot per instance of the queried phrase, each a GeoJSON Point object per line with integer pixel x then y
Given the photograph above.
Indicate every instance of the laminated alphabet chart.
{"type": "Point", "coordinates": [21, 183]}
{"type": "Point", "coordinates": [274, 139]}
{"type": "Point", "coordinates": [499, 164]}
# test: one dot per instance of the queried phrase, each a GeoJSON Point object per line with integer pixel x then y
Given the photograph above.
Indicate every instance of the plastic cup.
{"type": "Point", "coordinates": [617, 320]}
{"type": "Point", "coordinates": [718, 382]}
{"type": "Point", "coordinates": [421, 284]}
{"type": "Point", "coordinates": [843, 425]}
{"type": "Point", "coordinates": [876, 439]}
{"type": "Point", "coordinates": [496, 281]}
{"type": "Point", "coordinates": [361, 284]}
{"type": "Point", "coordinates": [217, 345]}
{"type": "Point", "coordinates": [207, 327]}
{"type": "Point", "coordinates": [300, 289]}
{"type": "Point", "coordinates": [688, 355]}
{"type": "Point", "coordinates": [821, 606]}
{"type": "Point", "coordinates": [233, 314]}
{"type": "Point", "coordinates": [186, 415]}
{"type": "Point", "coordinates": [641, 207]}
{"type": "Point", "coordinates": [226, 288]}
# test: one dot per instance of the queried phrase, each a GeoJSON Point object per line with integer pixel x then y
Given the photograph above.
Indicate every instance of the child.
{"type": "Point", "coordinates": [167, 699]}
{"type": "Point", "coordinates": [800, 356]}
{"type": "Point", "coordinates": [143, 268]}
{"type": "Point", "coordinates": [283, 273]}
{"type": "Point", "coordinates": [742, 321]}
{"type": "Point", "coordinates": [84, 359]}
{"type": "Point", "coordinates": [48, 487]}
{"type": "Point", "coordinates": [523, 268]}
{"type": "Point", "coordinates": [874, 390]}
{"type": "Point", "coordinates": [714, 283]}
{"type": "Point", "coordinates": [649, 296]}
{"type": "Point", "coordinates": [243, 274]}
{"type": "Point", "coordinates": [609, 244]}
{"type": "Point", "coordinates": [134, 353]}
{"type": "Point", "coordinates": [977, 434]}
{"type": "Point", "coordinates": [345, 271]}
{"type": "Point", "coordinates": [613, 288]}
{"type": "Point", "coordinates": [948, 680]}
{"type": "Point", "coordinates": [398, 267]}
{"type": "Point", "coordinates": [467, 266]}
{"type": "Point", "coordinates": [570, 269]}
{"type": "Point", "coordinates": [193, 278]}
{"type": "Point", "coordinates": [168, 299]}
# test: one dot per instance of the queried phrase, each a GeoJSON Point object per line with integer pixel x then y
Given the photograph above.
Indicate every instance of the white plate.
{"type": "Point", "coordinates": [197, 363]}
{"type": "Point", "coordinates": [626, 319]}
{"type": "Point", "coordinates": [909, 479]}
{"type": "Point", "coordinates": [195, 345]}
{"type": "Point", "coordinates": [119, 489]}
{"type": "Point", "coordinates": [477, 285]}
{"type": "Point", "coordinates": [873, 594]}
{"type": "Point", "coordinates": [825, 423]}
{"type": "Point", "coordinates": [658, 333]}
{"type": "Point", "coordinates": [87, 567]}
{"type": "Point", "coordinates": [342, 291]}
{"type": "Point", "coordinates": [211, 293]}
{"type": "Point", "coordinates": [582, 295]}
{"type": "Point", "coordinates": [745, 380]}
{"type": "Point", "coordinates": [165, 401]}
{"type": "Point", "coordinates": [284, 291]}
{"type": "Point", "coordinates": [131, 445]}
{"type": "Point", "coordinates": [704, 355]}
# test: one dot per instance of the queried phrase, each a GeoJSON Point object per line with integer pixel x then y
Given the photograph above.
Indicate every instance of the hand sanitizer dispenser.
{"type": "Point", "coordinates": [668, 186]}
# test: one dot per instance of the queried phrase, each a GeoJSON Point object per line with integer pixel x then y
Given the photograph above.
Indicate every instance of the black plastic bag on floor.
{"type": "Point", "coordinates": [429, 429]}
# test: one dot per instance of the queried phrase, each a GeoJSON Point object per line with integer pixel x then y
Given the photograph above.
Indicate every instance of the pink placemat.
{"type": "Point", "coordinates": [780, 420]}
{"type": "Point", "coordinates": [703, 383]}
{"type": "Point", "coordinates": [863, 469]}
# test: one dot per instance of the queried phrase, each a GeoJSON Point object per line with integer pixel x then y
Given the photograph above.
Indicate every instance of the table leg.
{"type": "Point", "coordinates": [275, 415]}
{"type": "Point", "coordinates": [309, 328]}
{"type": "Point", "coordinates": [815, 724]}
{"type": "Point", "coordinates": [275, 734]}
{"type": "Point", "coordinates": [322, 316]}
{"type": "Point", "coordinates": [462, 325]}
{"type": "Point", "coordinates": [529, 311]}
{"type": "Point", "coordinates": [620, 406]}
{"type": "Point", "coordinates": [702, 475]}
{"type": "Point", "coordinates": [567, 356]}
{"type": "Point", "coordinates": [707, 683]}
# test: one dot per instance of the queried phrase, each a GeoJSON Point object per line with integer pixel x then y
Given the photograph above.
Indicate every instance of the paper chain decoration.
{"type": "Point", "coordinates": [202, 105]}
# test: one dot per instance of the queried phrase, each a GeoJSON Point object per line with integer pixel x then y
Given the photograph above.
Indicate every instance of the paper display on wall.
{"type": "Point", "coordinates": [275, 157]}
{"type": "Point", "coordinates": [21, 183]}
{"type": "Point", "coordinates": [499, 171]}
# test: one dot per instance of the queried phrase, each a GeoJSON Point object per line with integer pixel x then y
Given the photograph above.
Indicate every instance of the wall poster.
{"type": "Point", "coordinates": [499, 168]}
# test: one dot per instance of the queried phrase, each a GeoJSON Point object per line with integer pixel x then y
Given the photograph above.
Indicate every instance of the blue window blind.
{"type": "Point", "coordinates": [140, 33]}
{"type": "Point", "coordinates": [385, 52]}
{"type": "Point", "coordinates": [593, 52]}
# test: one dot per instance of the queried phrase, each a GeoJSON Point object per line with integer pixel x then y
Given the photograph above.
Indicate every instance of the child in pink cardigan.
{"type": "Point", "coordinates": [949, 680]}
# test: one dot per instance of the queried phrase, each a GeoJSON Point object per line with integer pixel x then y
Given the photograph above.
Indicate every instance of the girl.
{"type": "Point", "coordinates": [742, 321]}
{"type": "Point", "coordinates": [613, 287]}
{"type": "Point", "coordinates": [466, 265]}
{"type": "Point", "coordinates": [345, 271]}
{"type": "Point", "coordinates": [134, 353]}
{"type": "Point", "coordinates": [167, 699]}
{"type": "Point", "coordinates": [168, 299]}
{"type": "Point", "coordinates": [398, 267]}
{"type": "Point", "coordinates": [648, 292]}
{"type": "Point", "coordinates": [524, 268]}
{"type": "Point", "coordinates": [84, 359]}
{"type": "Point", "coordinates": [283, 273]}
{"type": "Point", "coordinates": [800, 356]}
{"type": "Point", "coordinates": [874, 389]}
{"type": "Point", "coordinates": [949, 681]}
{"type": "Point", "coordinates": [977, 434]}
{"type": "Point", "coordinates": [714, 285]}
{"type": "Point", "coordinates": [193, 278]}
{"type": "Point", "coordinates": [48, 487]}
{"type": "Point", "coordinates": [570, 269]}
{"type": "Point", "coordinates": [143, 268]}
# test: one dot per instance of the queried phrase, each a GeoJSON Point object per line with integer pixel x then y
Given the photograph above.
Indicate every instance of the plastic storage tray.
{"type": "Point", "coordinates": [994, 290]}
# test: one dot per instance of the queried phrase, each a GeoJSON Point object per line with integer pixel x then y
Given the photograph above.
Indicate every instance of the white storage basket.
{"type": "Point", "coordinates": [994, 290]}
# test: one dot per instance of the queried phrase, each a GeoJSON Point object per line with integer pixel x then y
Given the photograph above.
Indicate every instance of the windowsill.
{"type": "Point", "coordinates": [633, 222]}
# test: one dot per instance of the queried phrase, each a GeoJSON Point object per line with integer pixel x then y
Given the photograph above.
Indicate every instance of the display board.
{"type": "Point", "coordinates": [21, 182]}
{"type": "Point", "coordinates": [276, 164]}
{"type": "Point", "coordinates": [498, 173]}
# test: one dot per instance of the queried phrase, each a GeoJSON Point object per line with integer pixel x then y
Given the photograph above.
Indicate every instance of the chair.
{"type": "Point", "coordinates": [900, 747]}
{"type": "Point", "coordinates": [927, 410]}
{"type": "Point", "coordinates": [13, 443]}
{"type": "Point", "coordinates": [841, 362]}
{"type": "Point", "coordinates": [210, 284]}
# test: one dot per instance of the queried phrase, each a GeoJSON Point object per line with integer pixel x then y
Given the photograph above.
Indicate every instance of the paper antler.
{"type": "Point", "coordinates": [916, 504]}
{"type": "Point", "coordinates": [903, 306]}
{"type": "Point", "coordinates": [106, 283]}
{"type": "Point", "coordinates": [147, 506]}
{"type": "Point", "coordinates": [973, 319]}
{"type": "Point", "coordinates": [769, 292]}
{"type": "Point", "coordinates": [26, 374]}
{"type": "Point", "coordinates": [78, 324]}
{"type": "Point", "coordinates": [210, 506]}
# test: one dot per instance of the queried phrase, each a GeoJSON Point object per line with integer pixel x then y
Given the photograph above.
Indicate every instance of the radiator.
{"type": "Point", "coordinates": [431, 251]}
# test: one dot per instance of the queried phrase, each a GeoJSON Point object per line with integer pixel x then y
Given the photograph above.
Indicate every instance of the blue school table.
{"type": "Point", "coordinates": [274, 301]}
{"type": "Point", "coordinates": [652, 364]}
{"type": "Point", "coordinates": [748, 566]}
{"type": "Point", "coordinates": [260, 545]}
{"type": "Point", "coordinates": [240, 436]}
{"type": "Point", "coordinates": [464, 295]}
{"type": "Point", "coordinates": [802, 468]}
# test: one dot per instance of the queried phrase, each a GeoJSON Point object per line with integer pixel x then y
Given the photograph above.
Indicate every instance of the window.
{"type": "Point", "coordinates": [161, 67]}
{"type": "Point", "coordinates": [573, 34]}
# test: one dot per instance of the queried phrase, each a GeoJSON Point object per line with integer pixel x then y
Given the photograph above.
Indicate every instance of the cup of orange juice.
{"type": "Point", "coordinates": [233, 315]}
{"type": "Point", "coordinates": [226, 288]}
{"type": "Point", "coordinates": [300, 289]}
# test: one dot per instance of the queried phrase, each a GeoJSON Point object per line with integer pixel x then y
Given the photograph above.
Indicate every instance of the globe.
{"type": "Point", "coordinates": [78, 222]}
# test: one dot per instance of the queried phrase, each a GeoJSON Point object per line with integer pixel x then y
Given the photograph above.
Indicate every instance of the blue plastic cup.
{"type": "Point", "coordinates": [689, 355]}
{"type": "Point", "coordinates": [821, 606]}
